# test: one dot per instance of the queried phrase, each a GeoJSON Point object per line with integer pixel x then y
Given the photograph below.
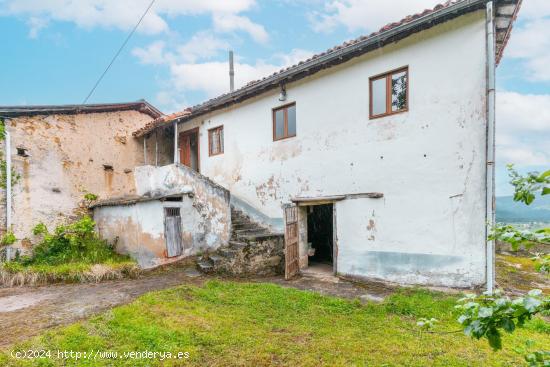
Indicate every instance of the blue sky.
{"type": "Point", "coordinates": [54, 50]}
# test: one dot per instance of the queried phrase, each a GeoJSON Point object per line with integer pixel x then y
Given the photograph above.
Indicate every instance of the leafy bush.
{"type": "Point", "coordinates": [75, 242]}
{"type": "Point", "coordinates": [538, 358]}
{"type": "Point", "coordinates": [526, 186]}
{"type": "Point", "coordinates": [542, 263]}
{"type": "Point", "coordinates": [8, 239]}
{"type": "Point", "coordinates": [484, 316]}
{"type": "Point", "coordinates": [72, 253]}
{"type": "Point", "coordinates": [520, 238]}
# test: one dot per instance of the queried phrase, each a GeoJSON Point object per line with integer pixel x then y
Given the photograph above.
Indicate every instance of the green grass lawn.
{"type": "Point", "coordinates": [249, 324]}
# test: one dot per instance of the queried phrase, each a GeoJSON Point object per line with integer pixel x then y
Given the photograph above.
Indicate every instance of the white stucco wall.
{"type": "Point", "coordinates": [138, 230]}
{"type": "Point", "coordinates": [428, 162]}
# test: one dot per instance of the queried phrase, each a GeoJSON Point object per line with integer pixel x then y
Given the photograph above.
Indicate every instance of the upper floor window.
{"type": "Point", "coordinates": [215, 141]}
{"type": "Point", "coordinates": [284, 122]}
{"type": "Point", "coordinates": [389, 93]}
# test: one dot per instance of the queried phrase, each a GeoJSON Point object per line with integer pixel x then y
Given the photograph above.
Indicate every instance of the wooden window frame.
{"type": "Point", "coordinates": [285, 119]}
{"type": "Point", "coordinates": [388, 76]}
{"type": "Point", "coordinates": [210, 132]}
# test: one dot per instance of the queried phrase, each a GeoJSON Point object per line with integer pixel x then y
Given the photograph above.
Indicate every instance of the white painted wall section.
{"type": "Point", "coordinates": [428, 162]}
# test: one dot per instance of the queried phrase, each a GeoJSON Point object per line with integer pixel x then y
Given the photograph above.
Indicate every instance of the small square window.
{"type": "Point", "coordinates": [284, 122]}
{"type": "Point", "coordinates": [389, 93]}
{"type": "Point", "coordinates": [215, 141]}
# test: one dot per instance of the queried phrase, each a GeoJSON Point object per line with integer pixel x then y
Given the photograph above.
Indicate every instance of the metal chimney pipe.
{"type": "Point", "coordinates": [231, 73]}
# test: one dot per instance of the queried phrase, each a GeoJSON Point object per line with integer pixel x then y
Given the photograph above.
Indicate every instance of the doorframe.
{"type": "Point", "coordinates": [166, 210]}
{"type": "Point", "coordinates": [306, 202]}
{"type": "Point", "coordinates": [195, 131]}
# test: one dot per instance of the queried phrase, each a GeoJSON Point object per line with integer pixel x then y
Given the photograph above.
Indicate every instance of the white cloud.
{"type": "Point", "coordinates": [123, 14]}
{"type": "Point", "coordinates": [529, 113]}
{"type": "Point", "coordinates": [364, 15]}
{"type": "Point", "coordinates": [521, 156]}
{"type": "Point", "coordinates": [532, 9]}
{"type": "Point", "coordinates": [170, 101]}
{"type": "Point", "coordinates": [203, 45]}
{"type": "Point", "coordinates": [152, 54]}
{"type": "Point", "coordinates": [213, 77]}
{"type": "Point", "coordinates": [293, 57]}
{"type": "Point", "coordinates": [231, 22]}
{"type": "Point", "coordinates": [531, 44]}
{"type": "Point", "coordinates": [523, 129]}
{"type": "Point", "coordinates": [188, 74]}
{"type": "Point", "coordinates": [35, 25]}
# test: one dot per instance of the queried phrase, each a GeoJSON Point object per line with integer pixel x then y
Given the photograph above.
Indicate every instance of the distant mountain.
{"type": "Point", "coordinates": [510, 211]}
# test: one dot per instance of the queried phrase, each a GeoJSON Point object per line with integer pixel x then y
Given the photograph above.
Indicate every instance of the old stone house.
{"type": "Point", "coordinates": [59, 153]}
{"type": "Point", "coordinates": [374, 158]}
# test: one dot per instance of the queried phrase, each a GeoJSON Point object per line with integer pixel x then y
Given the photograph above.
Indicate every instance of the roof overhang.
{"type": "Point", "coordinates": [141, 106]}
{"type": "Point", "coordinates": [506, 12]}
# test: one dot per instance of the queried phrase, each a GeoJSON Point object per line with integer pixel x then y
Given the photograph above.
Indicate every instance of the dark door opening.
{"type": "Point", "coordinates": [320, 234]}
{"type": "Point", "coordinates": [189, 149]}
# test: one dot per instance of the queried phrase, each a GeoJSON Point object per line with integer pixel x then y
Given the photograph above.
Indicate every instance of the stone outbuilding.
{"type": "Point", "coordinates": [60, 153]}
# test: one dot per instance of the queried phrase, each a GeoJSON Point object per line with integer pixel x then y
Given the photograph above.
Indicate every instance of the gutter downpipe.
{"type": "Point", "coordinates": [490, 173]}
{"type": "Point", "coordinates": [7, 141]}
{"type": "Point", "coordinates": [176, 150]}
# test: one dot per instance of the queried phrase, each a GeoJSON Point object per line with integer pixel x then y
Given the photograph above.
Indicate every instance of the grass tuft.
{"type": "Point", "coordinates": [16, 274]}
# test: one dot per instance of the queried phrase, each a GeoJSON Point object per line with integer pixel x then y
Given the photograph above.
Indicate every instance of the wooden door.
{"type": "Point", "coordinates": [185, 149]}
{"type": "Point", "coordinates": [292, 256]}
{"type": "Point", "coordinates": [172, 231]}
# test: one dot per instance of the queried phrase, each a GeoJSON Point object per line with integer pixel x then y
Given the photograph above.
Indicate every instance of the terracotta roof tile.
{"type": "Point", "coordinates": [385, 28]}
{"type": "Point", "coordinates": [162, 120]}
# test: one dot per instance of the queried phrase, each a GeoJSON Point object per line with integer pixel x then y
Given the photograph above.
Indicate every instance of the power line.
{"type": "Point", "coordinates": [118, 52]}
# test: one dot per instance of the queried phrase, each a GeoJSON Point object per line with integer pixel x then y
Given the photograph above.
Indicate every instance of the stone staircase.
{"type": "Point", "coordinates": [252, 250]}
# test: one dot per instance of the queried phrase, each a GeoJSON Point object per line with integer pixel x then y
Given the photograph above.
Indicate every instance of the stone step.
{"type": "Point", "coordinates": [227, 253]}
{"type": "Point", "coordinates": [244, 225]}
{"type": "Point", "coordinates": [258, 236]}
{"type": "Point", "coordinates": [205, 265]}
{"type": "Point", "coordinates": [240, 219]}
{"type": "Point", "coordinates": [240, 216]}
{"type": "Point", "coordinates": [237, 245]}
{"type": "Point", "coordinates": [216, 259]}
{"type": "Point", "coordinates": [251, 231]}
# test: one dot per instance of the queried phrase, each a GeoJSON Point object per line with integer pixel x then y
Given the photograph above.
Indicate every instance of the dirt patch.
{"type": "Point", "coordinates": [26, 311]}
{"type": "Point", "coordinates": [516, 275]}
{"type": "Point", "coordinates": [336, 287]}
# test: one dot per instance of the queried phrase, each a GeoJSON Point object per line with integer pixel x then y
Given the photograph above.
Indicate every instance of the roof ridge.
{"type": "Point", "coordinates": [140, 105]}
{"type": "Point", "coordinates": [225, 98]}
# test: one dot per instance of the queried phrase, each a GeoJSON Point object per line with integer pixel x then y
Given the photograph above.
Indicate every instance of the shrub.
{"type": "Point", "coordinates": [8, 239]}
{"type": "Point", "coordinates": [75, 242]}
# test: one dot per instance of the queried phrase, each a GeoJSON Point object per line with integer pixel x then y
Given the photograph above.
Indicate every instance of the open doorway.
{"type": "Point", "coordinates": [320, 237]}
{"type": "Point", "coordinates": [189, 149]}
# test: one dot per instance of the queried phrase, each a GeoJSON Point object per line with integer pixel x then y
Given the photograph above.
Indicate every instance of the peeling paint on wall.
{"type": "Point", "coordinates": [417, 159]}
{"type": "Point", "coordinates": [64, 159]}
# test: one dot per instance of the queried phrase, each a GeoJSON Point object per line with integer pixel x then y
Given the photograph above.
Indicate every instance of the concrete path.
{"type": "Point", "coordinates": [26, 311]}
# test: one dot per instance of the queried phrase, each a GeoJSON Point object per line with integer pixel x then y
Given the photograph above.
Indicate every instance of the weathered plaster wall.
{"type": "Point", "coordinates": [66, 158]}
{"type": "Point", "coordinates": [429, 162]}
{"type": "Point", "coordinates": [159, 147]}
{"type": "Point", "coordinates": [138, 230]}
{"type": "Point", "coordinates": [209, 199]}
